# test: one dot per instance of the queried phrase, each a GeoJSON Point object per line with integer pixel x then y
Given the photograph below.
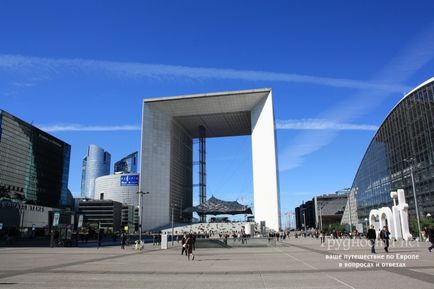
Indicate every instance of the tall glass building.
{"type": "Point", "coordinates": [403, 143]}
{"type": "Point", "coordinates": [34, 165]}
{"type": "Point", "coordinates": [127, 165]}
{"type": "Point", "coordinates": [95, 164]}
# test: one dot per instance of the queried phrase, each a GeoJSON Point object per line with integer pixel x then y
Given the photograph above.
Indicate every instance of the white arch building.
{"type": "Point", "coordinates": [169, 125]}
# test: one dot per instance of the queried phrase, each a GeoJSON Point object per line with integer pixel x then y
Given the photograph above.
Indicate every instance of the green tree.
{"type": "Point", "coordinates": [424, 222]}
{"type": "Point", "coordinates": [335, 227]}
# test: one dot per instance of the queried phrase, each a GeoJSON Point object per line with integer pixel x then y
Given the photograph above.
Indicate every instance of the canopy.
{"type": "Point", "coordinates": [215, 206]}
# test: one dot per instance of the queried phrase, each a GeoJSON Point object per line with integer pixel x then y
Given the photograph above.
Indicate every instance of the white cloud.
{"type": "Point", "coordinates": [50, 66]}
{"type": "Point", "coordinates": [95, 128]}
{"type": "Point", "coordinates": [321, 124]}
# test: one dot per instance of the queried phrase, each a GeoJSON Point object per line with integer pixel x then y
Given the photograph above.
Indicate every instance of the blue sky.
{"type": "Point", "coordinates": [80, 69]}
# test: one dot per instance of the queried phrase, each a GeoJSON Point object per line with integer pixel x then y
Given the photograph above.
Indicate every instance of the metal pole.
{"type": "Point", "coordinates": [349, 205]}
{"type": "Point", "coordinates": [304, 220]}
{"type": "Point", "coordinates": [140, 217]}
{"type": "Point", "coordinates": [320, 219]}
{"type": "Point", "coordinates": [415, 201]}
{"type": "Point", "coordinates": [289, 220]}
{"type": "Point", "coordinates": [202, 169]}
{"type": "Point", "coordinates": [172, 225]}
{"type": "Point", "coordinates": [140, 214]}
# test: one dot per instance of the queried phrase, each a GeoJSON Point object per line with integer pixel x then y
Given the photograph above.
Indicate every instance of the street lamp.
{"type": "Point", "coordinates": [304, 219]}
{"type": "Point", "coordinates": [320, 216]}
{"type": "Point", "coordinates": [366, 222]}
{"type": "Point", "coordinates": [411, 161]}
{"type": "Point", "coordinates": [172, 207]}
{"type": "Point", "coordinates": [140, 214]}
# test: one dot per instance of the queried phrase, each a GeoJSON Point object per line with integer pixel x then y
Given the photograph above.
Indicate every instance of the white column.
{"type": "Point", "coordinates": [155, 167]}
{"type": "Point", "coordinates": [264, 161]}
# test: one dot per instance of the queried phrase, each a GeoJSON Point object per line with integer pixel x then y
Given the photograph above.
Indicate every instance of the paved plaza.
{"type": "Point", "coordinates": [297, 263]}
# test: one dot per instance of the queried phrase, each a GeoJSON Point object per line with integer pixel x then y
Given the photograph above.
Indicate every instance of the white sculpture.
{"type": "Point", "coordinates": [396, 219]}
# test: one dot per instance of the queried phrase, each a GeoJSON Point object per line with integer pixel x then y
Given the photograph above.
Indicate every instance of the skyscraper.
{"type": "Point", "coordinates": [127, 164]}
{"type": "Point", "coordinates": [34, 165]}
{"type": "Point", "coordinates": [95, 164]}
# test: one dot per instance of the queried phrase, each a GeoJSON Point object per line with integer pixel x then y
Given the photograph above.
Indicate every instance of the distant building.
{"type": "Point", "coordinates": [298, 218]}
{"type": "Point", "coordinates": [121, 188]}
{"type": "Point", "coordinates": [329, 208]}
{"type": "Point", "coordinates": [34, 165]}
{"type": "Point", "coordinates": [321, 211]}
{"type": "Point", "coordinates": [95, 164]}
{"type": "Point", "coordinates": [106, 214]}
{"type": "Point", "coordinates": [130, 217]}
{"type": "Point", "coordinates": [127, 164]}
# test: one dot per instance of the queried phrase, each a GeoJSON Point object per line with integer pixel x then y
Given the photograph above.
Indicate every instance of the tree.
{"type": "Point", "coordinates": [424, 222]}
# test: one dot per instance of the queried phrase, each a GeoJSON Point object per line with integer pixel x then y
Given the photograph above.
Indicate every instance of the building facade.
{"type": "Point", "coordinates": [127, 165]}
{"type": "Point", "coordinates": [121, 188]}
{"type": "Point", "coordinates": [105, 214]}
{"type": "Point", "coordinates": [321, 211]}
{"type": "Point", "coordinates": [34, 165]}
{"type": "Point", "coordinates": [329, 208]}
{"type": "Point", "coordinates": [95, 164]}
{"type": "Point", "coordinates": [403, 146]}
{"type": "Point", "coordinates": [169, 126]}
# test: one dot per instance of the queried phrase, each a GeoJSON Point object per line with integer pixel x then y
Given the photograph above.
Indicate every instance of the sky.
{"type": "Point", "coordinates": [80, 70]}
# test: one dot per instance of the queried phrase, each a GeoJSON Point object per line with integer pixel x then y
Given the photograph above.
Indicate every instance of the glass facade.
{"type": "Point", "coordinates": [34, 166]}
{"type": "Point", "coordinates": [95, 164]}
{"type": "Point", "coordinates": [127, 164]}
{"type": "Point", "coordinates": [403, 143]}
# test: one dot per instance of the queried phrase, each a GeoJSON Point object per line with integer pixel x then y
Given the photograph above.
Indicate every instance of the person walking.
{"type": "Point", "coordinates": [385, 236]}
{"type": "Point", "coordinates": [431, 237]}
{"type": "Point", "coordinates": [184, 244]}
{"type": "Point", "coordinates": [189, 245]}
{"type": "Point", "coordinates": [123, 240]}
{"type": "Point", "coordinates": [372, 236]}
{"type": "Point", "coordinates": [321, 237]}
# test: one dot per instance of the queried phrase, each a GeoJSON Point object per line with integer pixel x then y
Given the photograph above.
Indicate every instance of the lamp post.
{"type": "Point", "coordinates": [411, 161]}
{"type": "Point", "coordinates": [320, 216]}
{"type": "Point", "coordinates": [366, 224]}
{"type": "Point", "coordinates": [172, 223]}
{"type": "Point", "coordinates": [140, 214]}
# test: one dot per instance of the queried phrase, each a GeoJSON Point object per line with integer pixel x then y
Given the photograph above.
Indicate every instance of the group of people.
{"type": "Point", "coordinates": [384, 235]}
{"type": "Point", "coordinates": [188, 243]}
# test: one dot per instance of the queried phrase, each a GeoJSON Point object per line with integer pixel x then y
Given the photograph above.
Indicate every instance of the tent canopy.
{"type": "Point", "coordinates": [215, 206]}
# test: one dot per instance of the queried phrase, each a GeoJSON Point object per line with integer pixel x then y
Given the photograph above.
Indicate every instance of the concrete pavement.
{"type": "Point", "coordinates": [297, 263]}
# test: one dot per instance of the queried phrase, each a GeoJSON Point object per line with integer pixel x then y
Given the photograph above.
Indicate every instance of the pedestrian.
{"type": "Point", "coordinates": [189, 245]}
{"type": "Point", "coordinates": [184, 244]}
{"type": "Point", "coordinates": [431, 237]}
{"type": "Point", "coordinates": [385, 236]}
{"type": "Point", "coordinates": [123, 240]}
{"type": "Point", "coordinates": [372, 236]}
{"type": "Point", "coordinates": [321, 237]}
{"type": "Point", "coordinates": [194, 241]}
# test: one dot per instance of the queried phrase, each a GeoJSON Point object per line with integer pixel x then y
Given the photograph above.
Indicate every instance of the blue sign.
{"type": "Point", "coordinates": [131, 180]}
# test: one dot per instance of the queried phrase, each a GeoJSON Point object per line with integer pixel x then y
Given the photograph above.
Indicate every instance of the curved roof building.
{"type": "Point", "coordinates": [405, 140]}
{"type": "Point", "coordinates": [121, 188]}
